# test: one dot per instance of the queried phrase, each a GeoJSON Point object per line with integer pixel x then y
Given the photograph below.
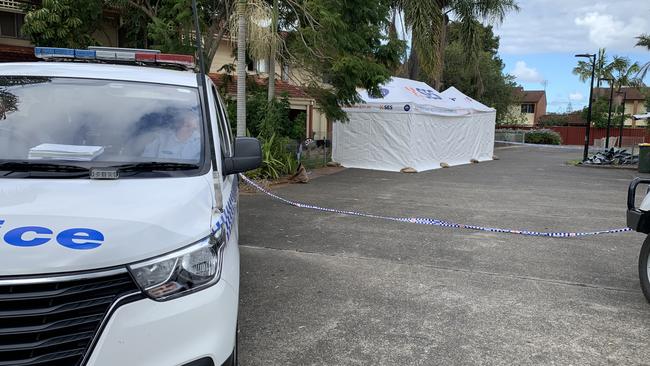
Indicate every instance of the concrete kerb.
{"type": "Point", "coordinates": [509, 143]}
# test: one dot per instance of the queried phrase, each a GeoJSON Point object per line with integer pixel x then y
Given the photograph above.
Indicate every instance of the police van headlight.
{"type": "Point", "coordinates": [185, 271]}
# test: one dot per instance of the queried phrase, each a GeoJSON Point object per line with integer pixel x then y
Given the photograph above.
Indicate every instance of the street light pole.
{"type": "Point", "coordinates": [592, 58]}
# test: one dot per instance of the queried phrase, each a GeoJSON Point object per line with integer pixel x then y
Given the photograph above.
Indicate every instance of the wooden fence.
{"type": "Point", "coordinates": [575, 135]}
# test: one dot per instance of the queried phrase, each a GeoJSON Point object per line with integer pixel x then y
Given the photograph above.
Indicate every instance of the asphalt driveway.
{"type": "Point", "coordinates": [327, 289]}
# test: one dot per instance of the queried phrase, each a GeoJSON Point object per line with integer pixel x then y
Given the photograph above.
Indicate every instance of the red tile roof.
{"type": "Point", "coordinates": [630, 93]}
{"type": "Point", "coordinates": [16, 53]}
{"type": "Point", "coordinates": [281, 87]}
{"type": "Point", "coordinates": [529, 96]}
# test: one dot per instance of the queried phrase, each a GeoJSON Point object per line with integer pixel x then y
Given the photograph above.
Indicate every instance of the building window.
{"type": "Point", "coordinates": [285, 72]}
{"type": "Point", "coordinates": [528, 108]}
{"type": "Point", "coordinates": [262, 66]}
{"type": "Point", "coordinates": [10, 24]}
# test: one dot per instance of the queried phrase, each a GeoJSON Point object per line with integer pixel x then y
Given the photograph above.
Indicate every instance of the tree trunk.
{"type": "Point", "coordinates": [241, 68]}
{"type": "Point", "coordinates": [413, 69]}
{"type": "Point", "coordinates": [274, 45]}
{"type": "Point", "coordinates": [480, 87]}
{"type": "Point", "coordinates": [437, 78]}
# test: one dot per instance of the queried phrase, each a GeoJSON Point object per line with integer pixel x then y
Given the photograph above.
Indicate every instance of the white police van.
{"type": "Point", "coordinates": [638, 219]}
{"type": "Point", "coordinates": [118, 212]}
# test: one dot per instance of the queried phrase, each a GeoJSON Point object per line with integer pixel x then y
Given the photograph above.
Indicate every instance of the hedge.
{"type": "Point", "coordinates": [545, 137]}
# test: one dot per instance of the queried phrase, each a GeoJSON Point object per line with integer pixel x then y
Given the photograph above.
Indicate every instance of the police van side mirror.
{"type": "Point", "coordinates": [247, 156]}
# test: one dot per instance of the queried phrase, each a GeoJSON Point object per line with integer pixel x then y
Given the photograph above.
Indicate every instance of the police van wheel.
{"type": "Point", "coordinates": [644, 271]}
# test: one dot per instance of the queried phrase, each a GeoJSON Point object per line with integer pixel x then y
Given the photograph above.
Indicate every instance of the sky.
{"type": "Point", "coordinates": [539, 42]}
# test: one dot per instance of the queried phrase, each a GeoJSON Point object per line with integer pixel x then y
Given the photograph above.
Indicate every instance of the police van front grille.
{"type": "Point", "coordinates": [53, 323]}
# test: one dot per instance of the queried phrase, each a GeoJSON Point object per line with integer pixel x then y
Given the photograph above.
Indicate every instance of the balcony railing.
{"type": "Point", "coordinates": [12, 5]}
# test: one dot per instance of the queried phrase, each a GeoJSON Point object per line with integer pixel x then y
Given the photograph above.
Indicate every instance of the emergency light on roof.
{"type": "Point", "coordinates": [118, 55]}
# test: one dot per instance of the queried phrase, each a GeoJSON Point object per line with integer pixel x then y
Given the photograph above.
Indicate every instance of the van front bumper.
{"type": "Point", "coordinates": [638, 221]}
{"type": "Point", "coordinates": [198, 327]}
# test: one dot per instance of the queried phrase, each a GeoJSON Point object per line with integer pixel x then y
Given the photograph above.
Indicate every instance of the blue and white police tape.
{"type": "Point", "coordinates": [430, 221]}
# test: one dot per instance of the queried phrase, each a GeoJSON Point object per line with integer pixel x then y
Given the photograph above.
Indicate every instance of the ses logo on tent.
{"type": "Point", "coordinates": [426, 93]}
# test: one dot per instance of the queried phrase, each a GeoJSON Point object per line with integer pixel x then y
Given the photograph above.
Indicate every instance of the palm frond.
{"type": "Point", "coordinates": [259, 33]}
{"type": "Point", "coordinates": [643, 70]}
{"type": "Point", "coordinates": [583, 70]}
{"type": "Point", "coordinates": [491, 11]}
{"type": "Point", "coordinates": [644, 41]}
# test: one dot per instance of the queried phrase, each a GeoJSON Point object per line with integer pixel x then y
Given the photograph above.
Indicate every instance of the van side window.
{"type": "Point", "coordinates": [222, 125]}
{"type": "Point", "coordinates": [227, 125]}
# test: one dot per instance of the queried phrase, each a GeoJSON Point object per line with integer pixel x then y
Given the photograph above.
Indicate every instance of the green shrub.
{"type": "Point", "coordinates": [276, 159]}
{"type": "Point", "coordinates": [264, 119]}
{"type": "Point", "coordinates": [277, 131]}
{"type": "Point", "coordinates": [545, 137]}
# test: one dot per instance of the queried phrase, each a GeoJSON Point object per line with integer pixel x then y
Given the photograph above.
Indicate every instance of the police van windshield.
{"type": "Point", "coordinates": [98, 122]}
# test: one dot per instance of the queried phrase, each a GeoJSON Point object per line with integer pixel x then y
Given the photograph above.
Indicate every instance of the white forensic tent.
{"type": "Point", "coordinates": [413, 126]}
{"type": "Point", "coordinates": [464, 101]}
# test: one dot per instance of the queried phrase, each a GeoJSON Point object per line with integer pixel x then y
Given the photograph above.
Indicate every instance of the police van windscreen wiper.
{"type": "Point", "coordinates": [154, 165]}
{"type": "Point", "coordinates": [28, 166]}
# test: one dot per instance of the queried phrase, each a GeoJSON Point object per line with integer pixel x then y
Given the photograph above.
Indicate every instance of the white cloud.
{"type": "Point", "coordinates": [526, 74]}
{"type": "Point", "coordinates": [607, 31]}
{"type": "Point", "coordinates": [576, 26]}
{"type": "Point", "coordinates": [575, 97]}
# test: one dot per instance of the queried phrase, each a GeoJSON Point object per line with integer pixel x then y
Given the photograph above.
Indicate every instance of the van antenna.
{"type": "Point", "coordinates": [203, 97]}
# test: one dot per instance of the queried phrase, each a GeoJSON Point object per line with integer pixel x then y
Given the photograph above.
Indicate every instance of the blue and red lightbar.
{"type": "Point", "coordinates": [118, 55]}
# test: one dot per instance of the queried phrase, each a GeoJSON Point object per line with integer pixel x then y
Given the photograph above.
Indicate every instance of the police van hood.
{"type": "Point", "coordinates": [52, 226]}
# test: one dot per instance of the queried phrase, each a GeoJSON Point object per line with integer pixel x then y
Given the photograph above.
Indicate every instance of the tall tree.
{"type": "Point", "coordinates": [254, 32]}
{"type": "Point", "coordinates": [341, 45]}
{"type": "Point", "coordinates": [644, 41]}
{"type": "Point", "coordinates": [620, 69]}
{"type": "Point", "coordinates": [600, 112]}
{"type": "Point", "coordinates": [497, 91]}
{"type": "Point", "coordinates": [241, 68]}
{"type": "Point", "coordinates": [168, 25]}
{"type": "Point", "coordinates": [274, 49]}
{"type": "Point", "coordinates": [624, 72]}
{"type": "Point", "coordinates": [583, 68]}
{"type": "Point", "coordinates": [63, 23]}
{"type": "Point", "coordinates": [428, 21]}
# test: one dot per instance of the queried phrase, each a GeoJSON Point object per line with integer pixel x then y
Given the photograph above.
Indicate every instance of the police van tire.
{"type": "Point", "coordinates": [643, 268]}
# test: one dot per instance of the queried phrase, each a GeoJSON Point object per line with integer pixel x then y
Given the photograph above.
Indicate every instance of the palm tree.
{"type": "Point", "coordinates": [274, 51]}
{"type": "Point", "coordinates": [241, 68]}
{"type": "Point", "coordinates": [583, 69]}
{"type": "Point", "coordinates": [253, 28]}
{"type": "Point", "coordinates": [624, 73]}
{"type": "Point", "coordinates": [644, 41]}
{"type": "Point", "coordinates": [620, 69]}
{"type": "Point", "coordinates": [427, 21]}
